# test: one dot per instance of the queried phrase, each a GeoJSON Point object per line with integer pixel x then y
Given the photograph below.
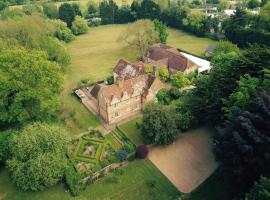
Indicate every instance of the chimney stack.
{"type": "Point", "coordinates": [155, 71]}
{"type": "Point", "coordinates": [120, 83]}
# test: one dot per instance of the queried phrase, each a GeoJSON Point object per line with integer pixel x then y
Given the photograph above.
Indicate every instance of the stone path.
{"type": "Point", "coordinates": [188, 161]}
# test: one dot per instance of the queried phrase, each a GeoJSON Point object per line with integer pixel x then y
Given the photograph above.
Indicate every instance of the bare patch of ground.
{"type": "Point", "coordinates": [188, 161]}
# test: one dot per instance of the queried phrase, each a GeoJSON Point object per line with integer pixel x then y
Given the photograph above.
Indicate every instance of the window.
{"type": "Point", "coordinates": [137, 98]}
{"type": "Point", "coordinates": [116, 105]}
{"type": "Point", "coordinates": [117, 114]}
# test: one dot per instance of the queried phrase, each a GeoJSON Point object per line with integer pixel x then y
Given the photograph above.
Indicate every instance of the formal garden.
{"type": "Point", "coordinates": [95, 154]}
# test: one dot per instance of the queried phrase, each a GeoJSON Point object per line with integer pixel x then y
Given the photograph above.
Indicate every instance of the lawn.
{"type": "Point", "coordinates": [188, 42]}
{"type": "Point", "coordinates": [93, 57]}
{"type": "Point", "coordinates": [132, 184]}
{"type": "Point", "coordinates": [132, 131]}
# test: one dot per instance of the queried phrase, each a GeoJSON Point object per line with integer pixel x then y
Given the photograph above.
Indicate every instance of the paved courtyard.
{"type": "Point", "coordinates": [188, 161]}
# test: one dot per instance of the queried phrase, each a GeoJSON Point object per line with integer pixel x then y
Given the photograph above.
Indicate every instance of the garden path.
{"type": "Point", "coordinates": [188, 161]}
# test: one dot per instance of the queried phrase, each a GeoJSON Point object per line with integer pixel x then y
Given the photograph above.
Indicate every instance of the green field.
{"type": "Point", "coordinates": [133, 184]}
{"type": "Point", "coordinates": [94, 55]}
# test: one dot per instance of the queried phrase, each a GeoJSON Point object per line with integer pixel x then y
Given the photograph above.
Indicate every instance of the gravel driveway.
{"type": "Point", "coordinates": [188, 161]}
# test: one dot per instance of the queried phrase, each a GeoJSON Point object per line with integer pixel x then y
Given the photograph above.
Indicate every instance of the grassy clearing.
{"type": "Point", "coordinates": [188, 42]}
{"type": "Point", "coordinates": [94, 55]}
{"type": "Point", "coordinates": [131, 185]}
{"type": "Point", "coordinates": [132, 131]}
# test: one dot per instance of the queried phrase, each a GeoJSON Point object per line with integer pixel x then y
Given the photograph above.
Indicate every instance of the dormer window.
{"type": "Point", "coordinates": [116, 105]}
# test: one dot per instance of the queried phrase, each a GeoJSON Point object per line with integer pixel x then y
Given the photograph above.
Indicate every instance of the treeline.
{"type": "Point", "coordinates": [242, 28]}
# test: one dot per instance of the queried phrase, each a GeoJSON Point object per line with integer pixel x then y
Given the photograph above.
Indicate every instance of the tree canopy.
{"type": "Point", "coordinates": [38, 156]}
{"type": "Point", "coordinates": [29, 86]}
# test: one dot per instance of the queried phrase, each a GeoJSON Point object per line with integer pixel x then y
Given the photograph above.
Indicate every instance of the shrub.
{"type": "Point", "coordinates": [110, 80]}
{"type": "Point", "coordinates": [163, 73]}
{"type": "Point", "coordinates": [129, 147]}
{"type": "Point", "coordinates": [79, 26]}
{"type": "Point", "coordinates": [122, 154]}
{"type": "Point", "coordinates": [119, 171]}
{"type": "Point", "coordinates": [179, 80]}
{"type": "Point", "coordinates": [163, 97]}
{"type": "Point", "coordinates": [74, 181]}
{"type": "Point", "coordinates": [62, 32]}
{"type": "Point", "coordinates": [142, 151]}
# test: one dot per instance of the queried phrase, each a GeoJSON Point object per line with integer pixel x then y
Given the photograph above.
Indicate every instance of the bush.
{"type": "Point", "coordinates": [79, 26]}
{"type": "Point", "coordinates": [163, 74]}
{"type": "Point", "coordinates": [119, 171]}
{"type": "Point", "coordinates": [163, 97]}
{"type": "Point", "coordinates": [122, 154]}
{"type": "Point", "coordinates": [51, 10]}
{"type": "Point", "coordinates": [74, 181]}
{"type": "Point", "coordinates": [110, 80]}
{"type": "Point", "coordinates": [142, 151]}
{"type": "Point", "coordinates": [179, 80]}
{"type": "Point", "coordinates": [62, 32]}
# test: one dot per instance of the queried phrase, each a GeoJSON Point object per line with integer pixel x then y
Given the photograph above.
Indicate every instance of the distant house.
{"type": "Point", "coordinates": [164, 55]}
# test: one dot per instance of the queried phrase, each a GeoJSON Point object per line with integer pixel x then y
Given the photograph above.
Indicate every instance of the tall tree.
{"type": "Point", "coordinates": [149, 10]}
{"type": "Point", "coordinates": [67, 13]}
{"type": "Point", "coordinates": [108, 10]}
{"type": "Point", "coordinates": [29, 87]}
{"type": "Point", "coordinates": [140, 35]}
{"type": "Point", "coordinates": [38, 157]}
{"type": "Point", "coordinates": [159, 124]}
{"type": "Point", "coordinates": [244, 146]}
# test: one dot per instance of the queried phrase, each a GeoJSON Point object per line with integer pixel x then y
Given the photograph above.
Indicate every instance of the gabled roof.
{"type": "Point", "coordinates": [126, 70]}
{"type": "Point", "coordinates": [134, 86]}
{"type": "Point", "coordinates": [175, 60]}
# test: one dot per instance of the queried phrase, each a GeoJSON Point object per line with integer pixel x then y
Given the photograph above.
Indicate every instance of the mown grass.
{"type": "Point", "coordinates": [132, 184]}
{"type": "Point", "coordinates": [132, 131]}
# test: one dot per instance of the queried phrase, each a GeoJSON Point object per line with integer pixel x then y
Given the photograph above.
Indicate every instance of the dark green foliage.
{"type": "Point", "coordinates": [110, 80]}
{"type": "Point", "coordinates": [3, 4]}
{"type": "Point", "coordinates": [108, 10]}
{"type": "Point", "coordinates": [92, 9]}
{"type": "Point", "coordinates": [244, 146]}
{"type": "Point", "coordinates": [253, 4]}
{"type": "Point", "coordinates": [163, 97]}
{"type": "Point", "coordinates": [124, 15]}
{"type": "Point", "coordinates": [207, 99]}
{"type": "Point", "coordinates": [77, 9]}
{"type": "Point", "coordinates": [38, 157]}
{"type": "Point", "coordinates": [29, 86]}
{"type": "Point", "coordinates": [162, 30]}
{"type": "Point", "coordinates": [73, 181]}
{"type": "Point", "coordinates": [51, 10]}
{"type": "Point", "coordinates": [148, 10]}
{"type": "Point", "coordinates": [243, 29]}
{"type": "Point", "coordinates": [260, 190]}
{"type": "Point", "coordinates": [4, 150]}
{"type": "Point", "coordinates": [67, 13]}
{"type": "Point", "coordinates": [159, 125]}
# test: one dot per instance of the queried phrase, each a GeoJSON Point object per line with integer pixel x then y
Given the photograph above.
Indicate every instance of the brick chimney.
{"type": "Point", "coordinates": [120, 83]}
{"type": "Point", "coordinates": [155, 71]}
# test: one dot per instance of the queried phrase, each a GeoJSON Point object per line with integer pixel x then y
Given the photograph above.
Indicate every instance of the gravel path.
{"type": "Point", "coordinates": [188, 161]}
